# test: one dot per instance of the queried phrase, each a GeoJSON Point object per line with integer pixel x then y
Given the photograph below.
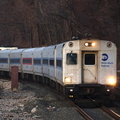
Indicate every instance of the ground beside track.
{"type": "Point", "coordinates": [37, 102]}
{"type": "Point", "coordinates": [33, 102]}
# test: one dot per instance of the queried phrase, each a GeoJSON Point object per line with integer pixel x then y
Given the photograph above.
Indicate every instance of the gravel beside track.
{"type": "Point", "coordinates": [34, 102]}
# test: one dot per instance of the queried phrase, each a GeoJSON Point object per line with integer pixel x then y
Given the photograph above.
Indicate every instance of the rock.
{"type": "Point", "coordinates": [21, 105]}
{"type": "Point", "coordinates": [51, 108]}
{"type": "Point", "coordinates": [34, 109]}
{"type": "Point", "coordinates": [0, 113]}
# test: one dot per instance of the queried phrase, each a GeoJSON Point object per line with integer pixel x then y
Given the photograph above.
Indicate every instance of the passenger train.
{"type": "Point", "coordinates": [77, 68]}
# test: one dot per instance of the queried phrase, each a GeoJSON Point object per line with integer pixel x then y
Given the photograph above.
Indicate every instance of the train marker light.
{"type": "Point", "coordinates": [68, 80]}
{"type": "Point", "coordinates": [93, 44]}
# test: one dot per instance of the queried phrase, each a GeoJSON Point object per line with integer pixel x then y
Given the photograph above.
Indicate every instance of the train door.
{"type": "Point", "coordinates": [89, 64]}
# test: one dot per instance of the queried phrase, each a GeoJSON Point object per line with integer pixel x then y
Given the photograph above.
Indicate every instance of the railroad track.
{"type": "Point", "coordinates": [81, 111]}
{"type": "Point", "coordinates": [110, 112]}
{"type": "Point", "coordinates": [83, 114]}
{"type": "Point", "coordinates": [87, 116]}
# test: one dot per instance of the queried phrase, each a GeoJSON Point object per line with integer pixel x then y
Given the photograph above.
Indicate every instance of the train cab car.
{"type": "Point", "coordinates": [89, 67]}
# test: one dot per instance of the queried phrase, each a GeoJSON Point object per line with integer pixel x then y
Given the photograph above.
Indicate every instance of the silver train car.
{"type": "Point", "coordinates": [76, 68]}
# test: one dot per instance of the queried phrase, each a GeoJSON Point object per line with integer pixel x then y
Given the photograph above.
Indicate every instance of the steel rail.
{"type": "Point", "coordinates": [83, 113]}
{"type": "Point", "coordinates": [110, 112]}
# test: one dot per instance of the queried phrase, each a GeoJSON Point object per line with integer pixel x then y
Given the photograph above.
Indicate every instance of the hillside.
{"type": "Point", "coordinates": [33, 23]}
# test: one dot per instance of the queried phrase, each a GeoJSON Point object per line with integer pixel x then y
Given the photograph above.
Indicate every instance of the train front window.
{"type": "Point", "coordinates": [89, 59]}
{"type": "Point", "coordinates": [71, 58]}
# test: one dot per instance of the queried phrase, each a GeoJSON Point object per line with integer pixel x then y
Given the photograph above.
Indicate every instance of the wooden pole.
{"type": "Point", "coordinates": [14, 78]}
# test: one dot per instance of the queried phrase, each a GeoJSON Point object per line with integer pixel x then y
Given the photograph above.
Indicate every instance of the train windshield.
{"type": "Point", "coordinates": [71, 58]}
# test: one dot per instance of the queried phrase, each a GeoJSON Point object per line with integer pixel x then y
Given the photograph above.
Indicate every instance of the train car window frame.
{"type": "Point", "coordinates": [3, 60]}
{"type": "Point", "coordinates": [71, 58]}
{"type": "Point", "coordinates": [27, 61]}
{"type": "Point", "coordinates": [51, 61]}
{"type": "Point", "coordinates": [45, 61]}
{"type": "Point", "coordinates": [89, 59]}
{"type": "Point", "coordinates": [59, 63]}
{"type": "Point", "coordinates": [37, 61]}
{"type": "Point", "coordinates": [15, 61]}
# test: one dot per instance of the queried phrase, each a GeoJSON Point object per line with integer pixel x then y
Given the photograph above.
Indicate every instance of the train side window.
{"type": "Point", "coordinates": [15, 60]}
{"type": "Point", "coordinates": [37, 61]}
{"type": "Point", "coordinates": [71, 58]}
{"type": "Point", "coordinates": [45, 61]}
{"type": "Point", "coordinates": [51, 62]}
{"type": "Point", "coordinates": [27, 61]}
{"type": "Point", "coordinates": [3, 60]}
{"type": "Point", "coordinates": [89, 59]}
{"type": "Point", "coordinates": [59, 63]}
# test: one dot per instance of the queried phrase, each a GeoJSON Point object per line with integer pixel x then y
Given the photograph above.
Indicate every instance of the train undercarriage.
{"type": "Point", "coordinates": [99, 92]}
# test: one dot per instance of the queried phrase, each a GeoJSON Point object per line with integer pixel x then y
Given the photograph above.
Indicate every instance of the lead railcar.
{"type": "Point", "coordinates": [89, 67]}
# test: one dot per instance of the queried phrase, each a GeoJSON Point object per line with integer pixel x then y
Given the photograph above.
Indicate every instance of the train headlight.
{"type": "Point", "coordinates": [93, 44]}
{"type": "Point", "coordinates": [112, 81]}
{"type": "Point", "coordinates": [68, 80]}
{"type": "Point", "coordinates": [90, 44]}
{"type": "Point", "coordinates": [86, 44]}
